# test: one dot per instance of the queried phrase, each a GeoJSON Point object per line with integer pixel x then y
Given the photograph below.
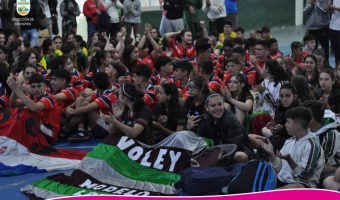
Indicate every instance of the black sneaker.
{"type": "Point", "coordinates": [80, 136]}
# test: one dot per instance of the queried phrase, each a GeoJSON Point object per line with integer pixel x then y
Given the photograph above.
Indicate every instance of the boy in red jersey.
{"type": "Point", "coordinates": [39, 103]}
{"type": "Point", "coordinates": [164, 69]}
{"type": "Point", "coordinates": [310, 44]}
{"type": "Point", "coordinates": [295, 59]}
{"type": "Point", "coordinates": [27, 73]}
{"type": "Point", "coordinates": [274, 51]}
{"type": "Point", "coordinates": [246, 67]}
{"type": "Point", "coordinates": [262, 55]}
{"type": "Point", "coordinates": [64, 94]}
{"type": "Point", "coordinates": [203, 50]}
{"type": "Point", "coordinates": [182, 70]}
{"type": "Point", "coordinates": [213, 81]}
{"type": "Point", "coordinates": [141, 76]}
{"type": "Point", "coordinates": [232, 68]}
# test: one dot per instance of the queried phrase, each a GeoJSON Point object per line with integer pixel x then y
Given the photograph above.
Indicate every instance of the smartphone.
{"type": "Point", "coordinates": [201, 119]}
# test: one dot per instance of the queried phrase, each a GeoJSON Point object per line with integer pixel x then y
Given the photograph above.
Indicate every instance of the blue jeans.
{"type": "Point", "coordinates": [91, 28]}
{"type": "Point", "coordinates": [162, 26]}
{"type": "Point", "coordinates": [31, 35]}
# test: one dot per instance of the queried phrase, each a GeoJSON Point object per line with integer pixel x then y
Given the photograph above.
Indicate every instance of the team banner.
{"type": "Point", "coordinates": [123, 166]}
{"type": "Point", "coordinates": [24, 148]}
{"type": "Point", "coordinates": [310, 194]}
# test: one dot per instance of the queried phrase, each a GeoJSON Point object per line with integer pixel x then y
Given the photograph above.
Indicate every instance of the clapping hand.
{"type": "Point", "coordinates": [324, 100]}
{"type": "Point", "coordinates": [117, 109]}
{"type": "Point", "coordinates": [147, 28]}
{"type": "Point", "coordinates": [162, 119]}
{"type": "Point", "coordinates": [259, 88]}
{"type": "Point", "coordinates": [11, 82]}
{"type": "Point", "coordinates": [226, 93]}
{"type": "Point", "coordinates": [106, 118]}
{"type": "Point", "coordinates": [273, 127]}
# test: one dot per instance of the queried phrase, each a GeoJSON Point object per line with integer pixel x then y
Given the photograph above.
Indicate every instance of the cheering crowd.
{"type": "Point", "coordinates": [217, 83]}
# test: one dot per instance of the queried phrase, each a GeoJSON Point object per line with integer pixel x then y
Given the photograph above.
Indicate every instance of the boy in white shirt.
{"type": "Point", "coordinates": [301, 159]}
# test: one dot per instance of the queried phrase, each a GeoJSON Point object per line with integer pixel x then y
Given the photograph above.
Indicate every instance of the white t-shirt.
{"type": "Point", "coordinates": [335, 19]}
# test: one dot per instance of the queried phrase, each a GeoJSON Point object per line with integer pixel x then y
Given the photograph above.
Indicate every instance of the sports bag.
{"type": "Point", "coordinates": [201, 181]}
{"type": "Point", "coordinates": [215, 156]}
{"type": "Point", "coordinates": [255, 176]}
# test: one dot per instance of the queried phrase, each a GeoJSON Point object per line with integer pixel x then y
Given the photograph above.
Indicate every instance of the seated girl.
{"type": "Point", "coordinates": [329, 92]}
{"type": "Point", "coordinates": [131, 117]}
{"type": "Point", "coordinates": [169, 116]}
{"type": "Point", "coordinates": [288, 100]}
{"type": "Point", "coordinates": [195, 102]}
{"type": "Point", "coordinates": [222, 126]}
{"type": "Point", "coordinates": [238, 96]}
{"type": "Point", "coordinates": [267, 93]}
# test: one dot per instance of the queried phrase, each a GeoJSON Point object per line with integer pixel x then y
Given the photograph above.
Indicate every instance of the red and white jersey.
{"type": "Point", "coordinates": [50, 115]}
{"type": "Point", "coordinates": [104, 100]}
{"type": "Point", "coordinates": [180, 52]}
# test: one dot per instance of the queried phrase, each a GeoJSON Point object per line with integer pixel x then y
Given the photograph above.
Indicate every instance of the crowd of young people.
{"type": "Point", "coordinates": [213, 85]}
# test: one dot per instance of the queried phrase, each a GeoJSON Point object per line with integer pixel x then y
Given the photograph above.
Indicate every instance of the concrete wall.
{"type": "Point", "coordinates": [252, 14]}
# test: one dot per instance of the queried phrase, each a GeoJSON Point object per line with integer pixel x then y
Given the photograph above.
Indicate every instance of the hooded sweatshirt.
{"type": "Point", "coordinates": [329, 139]}
{"type": "Point", "coordinates": [317, 16]}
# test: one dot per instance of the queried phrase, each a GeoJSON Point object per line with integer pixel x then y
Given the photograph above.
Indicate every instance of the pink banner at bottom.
{"type": "Point", "coordinates": [309, 194]}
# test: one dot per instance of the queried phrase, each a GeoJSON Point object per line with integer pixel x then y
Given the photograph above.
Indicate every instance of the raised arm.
{"type": "Point", "coordinates": [23, 98]}
{"type": "Point", "coordinates": [168, 36]}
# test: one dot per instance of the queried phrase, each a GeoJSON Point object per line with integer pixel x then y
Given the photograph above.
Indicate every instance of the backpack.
{"type": "Point", "coordinates": [255, 176]}
{"type": "Point", "coordinates": [201, 181]}
{"type": "Point", "coordinates": [103, 23]}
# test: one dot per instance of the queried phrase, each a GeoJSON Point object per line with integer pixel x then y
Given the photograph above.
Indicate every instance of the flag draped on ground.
{"type": "Point", "coordinates": [24, 148]}
{"type": "Point", "coordinates": [123, 166]}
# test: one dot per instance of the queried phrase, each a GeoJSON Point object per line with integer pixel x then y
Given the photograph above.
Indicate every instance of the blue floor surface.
{"type": "Point", "coordinates": [10, 185]}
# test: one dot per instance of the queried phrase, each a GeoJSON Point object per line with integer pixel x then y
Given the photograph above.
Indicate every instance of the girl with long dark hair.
{"type": "Point", "coordinates": [130, 56]}
{"type": "Point", "coordinates": [288, 100]}
{"type": "Point", "coordinates": [169, 116]}
{"type": "Point", "coordinates": [131, 117]}
{"type": "Point", "coordinates": [311, 71]}
{"type": "Point", "coordinates": [267, 96]}
{"type": "Point", "coordinates": [196, 96]}
{"type": "Point", "coordinates": [329, 92]}
{"type": "Point", "coordinates": [238, 96]}
{"type": "Point", "coordinates": [100, 61]}
{"type": "Point", "coordinates": [304, 92]}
